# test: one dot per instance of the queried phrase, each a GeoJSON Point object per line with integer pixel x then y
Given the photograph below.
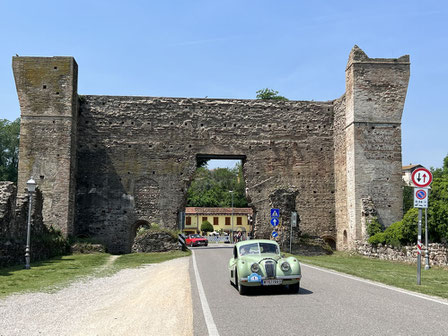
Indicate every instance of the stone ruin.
{"type": "Point", "coordinates": [105, 163]}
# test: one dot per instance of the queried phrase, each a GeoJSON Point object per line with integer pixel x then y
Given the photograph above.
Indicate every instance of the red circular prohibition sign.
{"type": "Point", "coordinates": [421, 194]}
{"type": "Point", "coordinates": [421, 177]}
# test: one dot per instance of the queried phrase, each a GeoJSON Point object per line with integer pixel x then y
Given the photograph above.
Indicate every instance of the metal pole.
{"type": "Point", "coordinates": [426, 241]}
{"type": "Point", "coordinates": [419, 244]}
{"type": "Point", "coordinates": [28, 234]}
{"type": "Point", "coordinates": [290, 237]}
{"type": "Point", "coordinates": [233, 238]}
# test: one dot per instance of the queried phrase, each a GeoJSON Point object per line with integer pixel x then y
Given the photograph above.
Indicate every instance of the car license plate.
{"type": "Point", "coordinates": [272, 282]}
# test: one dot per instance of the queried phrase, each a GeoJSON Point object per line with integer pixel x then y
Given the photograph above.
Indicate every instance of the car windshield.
{"type": "Point", "coordinates": [195, 236]}
{"type": "Point", "coordinates": [259, 248]}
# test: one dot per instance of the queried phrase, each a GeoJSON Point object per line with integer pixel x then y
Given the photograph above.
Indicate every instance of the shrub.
{"type": "Point", "coordinates": [374, 227]}
{"type": "Point", "coordinates": [378, 238]}
{"type": "Point", "coordinates": [206, 226]}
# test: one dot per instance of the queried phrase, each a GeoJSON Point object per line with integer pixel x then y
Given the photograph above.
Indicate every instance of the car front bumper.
{"type": "Point", "coordinates": [286, 280]}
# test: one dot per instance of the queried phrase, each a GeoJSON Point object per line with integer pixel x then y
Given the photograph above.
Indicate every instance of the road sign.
{"type": "Point", "coordinates": [275, 213]}
{"type": "Point", "coordinates": [421, 197]}
{"type": "Point", "coordinates": [274, 221]}
{"type": "Point", "coordinates": [274, 234]}
{"type": "Point", "coordinates": [293, 219]}
{"type": "Point", "coordinates": [421, 177]}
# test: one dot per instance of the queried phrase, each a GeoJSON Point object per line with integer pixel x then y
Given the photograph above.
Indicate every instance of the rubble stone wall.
{"type": "Point", "coordinates": [438, 253]}
{"type": "Point", "coordinates": [105, 163]}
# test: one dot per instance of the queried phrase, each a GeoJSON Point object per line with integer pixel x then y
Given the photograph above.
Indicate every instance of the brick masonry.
{"type": "Point", "coordinates": [106, 163]}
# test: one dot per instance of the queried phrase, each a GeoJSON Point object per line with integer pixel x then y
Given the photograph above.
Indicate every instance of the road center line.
{"type": "Point", "coordinates": [211, 326]}
{"type": "Point", "coordinates": [403, 291]}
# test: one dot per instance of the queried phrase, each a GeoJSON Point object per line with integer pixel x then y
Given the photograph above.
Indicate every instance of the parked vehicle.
{"type": "Point", "coordinates": [259, 263]}
{"type": "Point", "coordinates": [196, 240]}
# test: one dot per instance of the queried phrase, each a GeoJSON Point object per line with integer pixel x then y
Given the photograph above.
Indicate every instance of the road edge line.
{"type": "Point", "coordinates": [378, 284]}
{"type": "Point", "coordinates": [211, 326]}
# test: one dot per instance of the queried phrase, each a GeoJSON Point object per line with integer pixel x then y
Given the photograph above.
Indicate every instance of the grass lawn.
{"type": "Point", "coordinates": [433, 281]}
{"type": "Point", "coordinates": [52, 274]}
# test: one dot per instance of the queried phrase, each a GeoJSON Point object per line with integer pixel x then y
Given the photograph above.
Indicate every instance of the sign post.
{"type": "Point", "coordinates": [275, 214]}
{"type": "Point", "coordinates": [293, 224]}
{"type": "Point", "coordinates": [422, 178]}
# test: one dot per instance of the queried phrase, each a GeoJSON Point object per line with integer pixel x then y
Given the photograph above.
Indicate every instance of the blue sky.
{"type": "Point", "coordinates": [231, 49]}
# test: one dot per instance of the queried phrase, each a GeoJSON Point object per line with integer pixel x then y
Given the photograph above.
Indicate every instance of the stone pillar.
{"type": "Point", "coordinates": [47, 92]}
{"type": "Point", "coordinates": [375, 94]}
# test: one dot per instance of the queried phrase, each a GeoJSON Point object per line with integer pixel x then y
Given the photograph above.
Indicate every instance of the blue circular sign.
{"type": "Point", "coordinates": [274, 221]}
{"type": "Point", "coordinates": [274, 234]}
{"type": "Point", "coordinates": [421, 194]}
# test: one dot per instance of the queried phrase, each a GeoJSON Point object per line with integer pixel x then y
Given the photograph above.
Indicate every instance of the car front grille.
{"type": "Point", "coordinates": [269, 266]}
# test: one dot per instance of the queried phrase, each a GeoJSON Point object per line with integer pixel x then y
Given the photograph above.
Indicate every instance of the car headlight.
{"type": "Point", "coordinates": [285, 266]}
{"type": "Point", "coordinates": [255, 267]}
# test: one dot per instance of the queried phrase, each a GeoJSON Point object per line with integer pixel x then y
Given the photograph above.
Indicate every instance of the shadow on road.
{"type": "Point", "coordinates": [264, 291]}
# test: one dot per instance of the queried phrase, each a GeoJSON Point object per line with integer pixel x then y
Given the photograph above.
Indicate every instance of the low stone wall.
{"type": "Point", "coordinates": [438, 253]}
{"type": "Point", "coordinates": [155, 241]}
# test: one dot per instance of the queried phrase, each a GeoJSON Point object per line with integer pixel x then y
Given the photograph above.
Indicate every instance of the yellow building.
{"type": "Point", "coordinates": [220, 218]}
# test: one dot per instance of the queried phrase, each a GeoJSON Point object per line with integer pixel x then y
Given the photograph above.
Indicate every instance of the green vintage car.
{"type": "Point", "coordinates": [259, 263]}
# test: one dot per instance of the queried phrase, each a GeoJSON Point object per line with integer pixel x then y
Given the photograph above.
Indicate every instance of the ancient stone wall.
{"type": "Point", "coordinates": [47, 91]}
{"type": "Point", "coordinates": [375, 94]}
{"type": "Point", "coordinates": [131, 159]}
{"type": "Point", "coordinates": [137, 156]}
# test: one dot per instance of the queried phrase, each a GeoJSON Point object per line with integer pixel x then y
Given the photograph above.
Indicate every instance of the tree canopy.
{"type": "Point", "coordinates": [211, 188]}
{"type": "Point", "coordinates": [9, 149]}
{"type": "Point", "coordinates": [269, 94]}
{"type": "Point", "coordinates": [405, 231]}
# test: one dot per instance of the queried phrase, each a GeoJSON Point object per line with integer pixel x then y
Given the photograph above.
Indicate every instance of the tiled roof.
{"type": "Point", "coordinates": [411, 166]}
{"type": "Point", "coordinates": [217, 211]}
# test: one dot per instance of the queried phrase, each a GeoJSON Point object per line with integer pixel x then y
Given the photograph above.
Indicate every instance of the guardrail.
{"type": "Point", "coordinates": [218, 239]}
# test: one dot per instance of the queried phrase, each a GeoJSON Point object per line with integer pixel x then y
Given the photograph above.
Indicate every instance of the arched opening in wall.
{"type": "Point", "coordinates": [139, 228]}
{"type": "Point", "coordinates": [345, 238]}
{"type": "Point", "coordinates": [330, 241]}
{"type": "Point", "coordinates": [216, 203]}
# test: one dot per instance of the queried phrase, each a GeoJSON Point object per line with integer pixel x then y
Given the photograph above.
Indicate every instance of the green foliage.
{"type": "Point", "coordinates": [378, 238]}
{"type": "Point", "coordinates": [374, 227]}
{"type": "Point", "coordinates": [210, 188]}
{"type": "Point", "coordinates": [400, 233]}
{"type": "Point", "coordinates": [408, 198]}
{"type": "Point", "coordinates": [9, 149]}
{"type": "Point", "coordinates": [52, 242]}
{"type": "Point", "coordinates": [269, 94]}
{"type": "Point", "coordinates": [206, 226]}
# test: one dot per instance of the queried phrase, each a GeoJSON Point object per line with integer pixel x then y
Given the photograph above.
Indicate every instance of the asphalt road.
{"type": "Point", "coordinates": [327, 304]}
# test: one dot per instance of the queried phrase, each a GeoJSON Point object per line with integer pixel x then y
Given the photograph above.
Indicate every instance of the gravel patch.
{"type": "Point", "coordinates": [151, 300]}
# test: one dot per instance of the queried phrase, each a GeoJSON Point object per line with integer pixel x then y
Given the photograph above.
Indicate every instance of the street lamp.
{"type": "Point", "coordinates": [233, 240]}
{"type": "Point", "coordinates": [31, 186]}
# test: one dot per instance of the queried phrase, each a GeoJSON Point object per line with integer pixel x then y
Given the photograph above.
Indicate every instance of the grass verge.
{"type": "Point", "coordinates": [433, 281]}
{"type": "Point", "coordinates": [55, 273]}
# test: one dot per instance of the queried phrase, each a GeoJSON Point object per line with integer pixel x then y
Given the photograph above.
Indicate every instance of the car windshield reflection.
{"type": "Point", "coordinates": [259, 248]}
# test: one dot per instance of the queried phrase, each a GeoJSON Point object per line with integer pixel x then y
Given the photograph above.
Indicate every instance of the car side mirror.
{"type": "Point", "coordinates": [283, 255]}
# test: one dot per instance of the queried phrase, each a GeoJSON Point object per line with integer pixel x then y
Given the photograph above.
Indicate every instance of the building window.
{"type": "Point", "coordinates": [227, 220]}
{"type": "Point", "coordinates": [188, 221]}
{"type": "Point", "coordinates": [204, 219]}
{"type": "Point", "coordinates": [239, 221]}
{"type": "Point", "coordinates": [215, 220]}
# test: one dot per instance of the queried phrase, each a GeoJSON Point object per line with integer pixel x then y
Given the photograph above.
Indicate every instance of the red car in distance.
{"type": "Point", "coordinates": [196, 240]}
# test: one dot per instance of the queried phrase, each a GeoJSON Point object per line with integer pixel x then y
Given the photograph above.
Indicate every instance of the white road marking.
{"type": "Point", "coordinates": [211, 326]}
{"type": "Point", "coordinates": [404, 291]}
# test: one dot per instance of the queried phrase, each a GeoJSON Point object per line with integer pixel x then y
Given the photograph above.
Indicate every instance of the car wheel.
{"type": "Point", "coordinates": [241, 289]}
{"type": "Point", "coordinates": [294, 288]}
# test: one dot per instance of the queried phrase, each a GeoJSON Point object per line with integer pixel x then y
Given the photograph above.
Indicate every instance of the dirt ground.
{"type": "Point", "coordinates": [153, 300]}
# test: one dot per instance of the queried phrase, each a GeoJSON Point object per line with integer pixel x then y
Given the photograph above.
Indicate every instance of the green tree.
{"type": "Point", "coordinates": [211, 188]}
{"type": "Point", "coordinates": [269, 94]}
{"type": "Point", "coordinates": [206, 226]}
{"type": "Point", "coordinates": [9, 149]}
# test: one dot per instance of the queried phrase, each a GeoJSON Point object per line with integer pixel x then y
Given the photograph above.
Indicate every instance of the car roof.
{"type": "Point", "coordinates": [251, 241]}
